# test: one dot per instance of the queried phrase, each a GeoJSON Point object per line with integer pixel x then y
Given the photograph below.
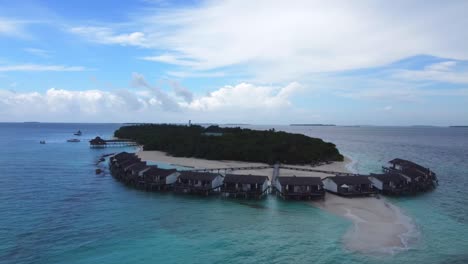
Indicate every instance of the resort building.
{"type": "Point", "coordinates": [389, 183]}
{"type": "Point", "coordinates": [198, 182]}
{"type": "Point", "coordinates": [300, 187]}
{"type": "Point", "coordinates": [119, 162]}
{"type": "Point", "coordinates": [99, 142]}
{"type": "Point", "coordinates": [246, 186]}
{"type": "Point", "coordinates": [158, 179]}
{"type": "Point", "coordinates": [349, 185]}
{"type": "Point", "coordinates": [133, 172]}
{"type": "Point", "coordinates": [418, 177]}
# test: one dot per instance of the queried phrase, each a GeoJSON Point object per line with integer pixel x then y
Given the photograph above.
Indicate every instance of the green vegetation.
{"type": "Point", "coordinates": [217, 143]}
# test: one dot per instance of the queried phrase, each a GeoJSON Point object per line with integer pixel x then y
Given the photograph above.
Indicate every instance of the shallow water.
{"type": "Point", "coordinates": [54, 209]}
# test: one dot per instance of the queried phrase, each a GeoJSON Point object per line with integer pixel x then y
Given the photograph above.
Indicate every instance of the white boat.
{"type": "Point", "coordinates": [73, 140]}
{"type": "Point", "coordinates": [78, 133]}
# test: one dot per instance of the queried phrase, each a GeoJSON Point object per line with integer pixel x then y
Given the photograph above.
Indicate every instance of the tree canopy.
{"type": "Point", "coordinates": [231, 143]}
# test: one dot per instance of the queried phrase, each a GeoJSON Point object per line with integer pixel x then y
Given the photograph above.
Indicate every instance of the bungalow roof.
{"type": "Point", "coordinates": [155, 171]}
{"type": "Point", "coordinates": [389, 177]}
{"type": "Point", "coordinates": [350, 180]}
{"type": "Point", "coordinates": [137, 167]}
{"type": "Point", "coordinates": [408, 164]}
{"type": "Point", "coordinates": [201, 176]}
{"type": "Point", "coordinates": [293, 180]}
{"type": "Point", "coordinates": [247, 179]}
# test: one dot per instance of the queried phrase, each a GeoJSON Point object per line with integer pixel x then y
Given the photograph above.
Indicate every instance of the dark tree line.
{"type": "Point", "coordinates": [231, 144]}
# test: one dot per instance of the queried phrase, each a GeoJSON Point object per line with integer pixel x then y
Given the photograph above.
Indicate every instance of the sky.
{"type": "Point", "coordinates": [256, 62]}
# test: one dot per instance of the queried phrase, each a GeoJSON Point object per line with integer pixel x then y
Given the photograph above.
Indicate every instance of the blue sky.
{"type": "Point", "coordinates": [264, 62]}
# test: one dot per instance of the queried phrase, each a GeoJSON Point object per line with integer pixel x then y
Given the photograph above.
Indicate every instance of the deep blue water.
{"type": "Point", "coordinates": [54, 209]}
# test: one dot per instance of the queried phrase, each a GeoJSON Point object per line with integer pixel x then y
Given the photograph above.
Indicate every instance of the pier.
{"type": "Point", "coordinates": [98, 142]}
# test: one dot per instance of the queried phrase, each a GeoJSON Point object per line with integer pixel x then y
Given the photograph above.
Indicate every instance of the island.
{"type": "Point", "coordinates": [231, 143]}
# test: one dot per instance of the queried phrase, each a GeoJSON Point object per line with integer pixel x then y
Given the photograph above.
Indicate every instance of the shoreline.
{"type": "Point", "coordinates": [378, 227]}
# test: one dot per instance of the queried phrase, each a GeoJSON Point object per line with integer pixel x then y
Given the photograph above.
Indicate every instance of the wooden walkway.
{"type": "Point", "coordinates": [103, 143]}
{"type": "Point", "coordinates": [337, 173]}
{"type": "Point", "coordinates": [232, 169]}
{"type": "Point", "coordinates": [276, 168]}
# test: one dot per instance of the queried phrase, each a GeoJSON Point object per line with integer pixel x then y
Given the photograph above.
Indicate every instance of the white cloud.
{"type": "Point", "coordinates": [186, 74]}
{"type": "Point", "coordinates": [11, 27]}
{"type": "Point", "coordinates": [40, 68]}
{"type": "Point", "coordinates": [246, 96]}
{"type": "Point", "coordinates": [38, 52]}
{"type": "Point", "coordinates": [278, 41]}
{"type": "Point", "coordinates": [182, 92]}
{"type": "Point", "coordinates": [240, 103]}
{"type": "Point", "coordinates": [171, 59]}
{"type": "Point", "coordinates": [105, 35]}
{"type": "Point", "coordinates": [441, 66]}
{"type": "Point", "coordinates": [285, 41]}
{"type": "Point", "coordinates": [441, 72]}
{"type": "Point", "coordinates": [66, 104]}
{"type": "Point", "coordinates": [161, 97]}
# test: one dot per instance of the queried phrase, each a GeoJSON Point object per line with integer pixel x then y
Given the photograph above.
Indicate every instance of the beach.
{"type": "Point", "coordinates": [378, 227]}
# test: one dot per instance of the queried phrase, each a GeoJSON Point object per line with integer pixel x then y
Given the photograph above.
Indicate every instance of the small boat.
{"type": "Point", "coordinates": [42, 142]}
{"type": "Point", "coordinates": [78, 133]}
{"type": "Point", "coordinates": [73, 140]}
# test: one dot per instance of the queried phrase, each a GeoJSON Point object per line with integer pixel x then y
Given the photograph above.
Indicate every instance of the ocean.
{"type": "Point", "coordinates": [55, 209]}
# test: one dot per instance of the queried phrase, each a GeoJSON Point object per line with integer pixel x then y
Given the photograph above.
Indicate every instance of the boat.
{"type": "Point", "coordinates": [42, 142]}
{"type": "Point", "coordinates": [78, 133]}
{"type": "Point", "coordinates": [73, 140]}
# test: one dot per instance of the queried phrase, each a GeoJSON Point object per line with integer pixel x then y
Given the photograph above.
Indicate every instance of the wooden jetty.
{"type": "Point", "coordinates": [98, 142]}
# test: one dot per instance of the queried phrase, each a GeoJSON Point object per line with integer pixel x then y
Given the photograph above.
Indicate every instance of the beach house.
{"type": "Point", "coordinates": [349, 185]}
{"type": "Point", "coordinates": [246, 186]}
{"type": "Point", "coordinates": [299, 188]}
{"type": "Point", "coordinates": [156, 179]}
{"type": "Point", "coordinates": [198, 182]}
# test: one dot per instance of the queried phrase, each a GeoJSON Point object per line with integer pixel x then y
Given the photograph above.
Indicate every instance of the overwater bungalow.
{"type": "Point", "coordinates": [97, 142]}
{"type": "Point", "coordinates": [246, 186]}
{"type": "Point", "coordinates": [133, 171]}
{"type": "Point", "coordinates": [119, 162]}
{"type": "Point", "coordinates": [389, 183]}
{"type": "Point", "coordinates": [418, 177]}
{"type": "Point", "coordinates": [192, 182]}
{"type": "Point", "coordinates": [349, 185]}
{"type": "Point", "coordinates": [157, 179]}
{"type": "Point", "coordinates": [300, 188]}
{"type": "Point", "coordinates": [120, 157]}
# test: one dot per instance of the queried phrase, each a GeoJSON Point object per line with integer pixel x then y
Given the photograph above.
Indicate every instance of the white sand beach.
{"type": "Point", "coordinates": [159, 156]}
{"type": "Point", "coordinates": [378, 226]}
